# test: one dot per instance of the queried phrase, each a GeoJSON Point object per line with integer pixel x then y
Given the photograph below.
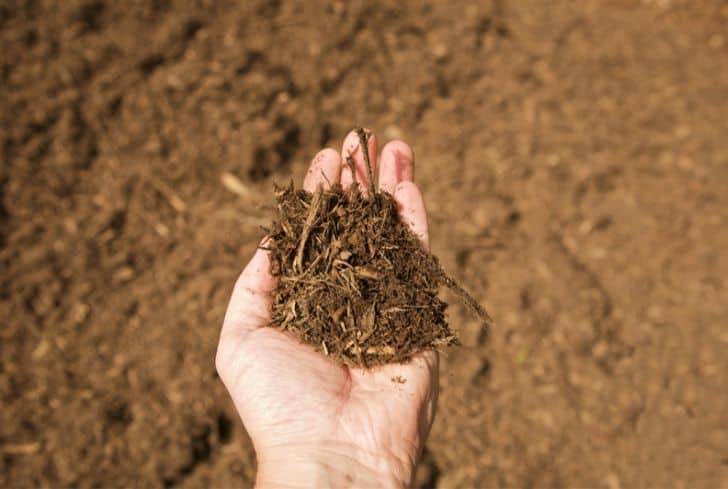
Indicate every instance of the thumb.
{"type": "Point", "coordinates": [250, 303]}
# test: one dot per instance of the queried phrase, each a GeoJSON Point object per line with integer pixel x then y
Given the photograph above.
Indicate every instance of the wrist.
{"type": "Point", "coordinates": [332, 467]}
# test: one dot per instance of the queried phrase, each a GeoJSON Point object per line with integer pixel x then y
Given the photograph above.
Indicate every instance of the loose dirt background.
{"type": "Point", "coordinates": [574, 158]}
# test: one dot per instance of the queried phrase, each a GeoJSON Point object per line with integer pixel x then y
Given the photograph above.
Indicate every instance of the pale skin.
{"type": "Point", "coordinates": [313, 422]}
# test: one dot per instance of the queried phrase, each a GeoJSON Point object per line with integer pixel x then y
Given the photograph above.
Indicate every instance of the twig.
{"type": "Point", "coordinates": [234, 184]}
{"type": "Point", "coordinates": [468, 300]}
{"type": "Point", "coordinates": [310, 220]}
{"type": "Point", "coordinates": [352, 168]}
{"type": "Point", "coordinates": [174, 200]}
{"type": "Point", "coordinates": [364, 146]}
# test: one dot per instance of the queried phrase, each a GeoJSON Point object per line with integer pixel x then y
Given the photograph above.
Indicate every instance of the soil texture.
{"type": "Point", "coordinates": [574, 163]}
{"type": "Point", "coordinates": [354, 281]}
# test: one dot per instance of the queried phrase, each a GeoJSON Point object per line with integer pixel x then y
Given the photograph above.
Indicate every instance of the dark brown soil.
{"type": "Point", "coordinates": [574, 161]}
{"type": "Point", "coordinates": [354, 282]}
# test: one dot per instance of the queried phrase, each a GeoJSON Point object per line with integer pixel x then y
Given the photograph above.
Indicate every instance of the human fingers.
{"type": "Point", "coordinates": [396, 164]}
{"type": "Point", "coordinates": [411, 207]}
{"type": "Point", "coordinates": [350, 151]}
{"type": "Point", "coordinates": [325, 169]}
{"type": "Point", "coordinates": [249, 306]}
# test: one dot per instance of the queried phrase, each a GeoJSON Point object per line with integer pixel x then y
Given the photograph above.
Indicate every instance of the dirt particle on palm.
{"type": "Point", "coordinates": [354, 281]}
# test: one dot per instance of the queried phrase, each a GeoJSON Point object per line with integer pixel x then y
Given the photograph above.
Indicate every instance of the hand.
{"type": "Point", "coordinates": [314, 422]}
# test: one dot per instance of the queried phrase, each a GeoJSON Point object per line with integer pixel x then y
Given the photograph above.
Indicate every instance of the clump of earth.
{"type": "Point", "coordinates": [353, 280]}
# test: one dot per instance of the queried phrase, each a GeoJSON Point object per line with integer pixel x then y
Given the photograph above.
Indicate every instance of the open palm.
{"type": "Point", "coordinates": [311, 420]}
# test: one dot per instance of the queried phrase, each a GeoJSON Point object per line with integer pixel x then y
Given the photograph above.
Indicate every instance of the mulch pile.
{"type": "Point", "coordinates": [354, 281]}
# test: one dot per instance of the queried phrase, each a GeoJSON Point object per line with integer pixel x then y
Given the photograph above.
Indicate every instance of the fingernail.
{"type": "Point", "coordinates": [351, 144]}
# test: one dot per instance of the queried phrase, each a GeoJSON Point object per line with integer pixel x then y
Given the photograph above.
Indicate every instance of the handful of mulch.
{"type": "Point", "coordinates": [354, 281]}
